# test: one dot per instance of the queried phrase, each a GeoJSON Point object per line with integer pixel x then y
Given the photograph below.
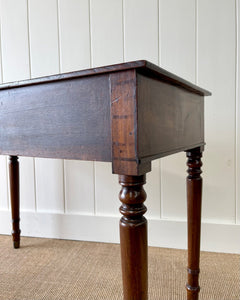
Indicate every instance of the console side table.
{"type": "Point", "coordinates": [128, 114]}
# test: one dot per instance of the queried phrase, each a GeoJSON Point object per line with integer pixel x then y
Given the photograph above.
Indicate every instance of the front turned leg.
{"type": "Point", "coordinates": [133, 238]}
{"type": "Point", "coordinates": [14, 191]}
{"type": "Point", "coordinates": [194, 199]}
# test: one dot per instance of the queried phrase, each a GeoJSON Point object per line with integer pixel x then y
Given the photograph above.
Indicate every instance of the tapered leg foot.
{"type": "Point", "coordinates": [16, 244]}
{"type": "Point", "coordinates": [14, 192]}
{"type": "Point", "coordinates": [133, 237]}
{"type": "Point", "coordinates": [194, 199]}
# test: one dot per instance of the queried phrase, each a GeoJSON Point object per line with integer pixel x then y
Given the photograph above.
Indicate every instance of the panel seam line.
{"type": "Point", "coordinates": [236, 111]}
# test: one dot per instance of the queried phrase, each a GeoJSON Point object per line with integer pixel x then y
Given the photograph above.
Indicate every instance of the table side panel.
{"type": "Point", "coordinates": [68, 119]}
{"type": "Point", "coordinates": [123, 115]}
{"type": "Point", "coordinates": [170, 119]}
{"type": "Point", "coordinates": [124, 124]}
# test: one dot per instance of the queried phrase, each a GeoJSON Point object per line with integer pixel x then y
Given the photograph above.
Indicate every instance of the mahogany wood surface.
{"type": "Point", "coordinates": [69, 119]}
{"type": "Point", "coordinates": [81, 115]}
{"type": "Point", "coordinates": [133, 236]}
{"type": "Point", "coordinates": [124, 107]}
{"type": "Point", "coordinates": [194, 201]}
{"type": "Point", "coordinates": [169, 119]}
{"type": "Point", "coordinates": [14, 192]}
{"type": "Point", "coordinates": [127, 114]}
{"type": "Point", "coordinates": [143, 66]}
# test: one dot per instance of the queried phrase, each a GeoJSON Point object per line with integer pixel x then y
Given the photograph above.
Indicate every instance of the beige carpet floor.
{"type": "Point", "coordinates": [59, 269]}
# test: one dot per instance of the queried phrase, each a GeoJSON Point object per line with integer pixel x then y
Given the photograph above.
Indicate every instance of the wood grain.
{"type": "Point", "coordinates": [124, 125]}
{"type": "Point", "coordinates": [169, 119]}
{"type": "Point", "coordinates": [153, 114]}
{"type": "Point", "coordinates": [194, 204]}
{"type": "Point", "coordinates": [126, 116]}
{"type": "Point", "coordinates": [144, 67]}
{"type": "Point", "coordinates": [67, 119]}
{"type": "Point", "coordinates": [14, 192]}
{"type": "Point", "coordinates": [133, 236]}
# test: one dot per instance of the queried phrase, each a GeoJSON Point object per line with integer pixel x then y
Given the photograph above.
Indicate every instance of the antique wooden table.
{"type": "Point", "coordinates": [128, 114]}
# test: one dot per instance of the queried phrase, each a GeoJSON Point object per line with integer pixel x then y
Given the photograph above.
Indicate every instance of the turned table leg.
{"type": "Point", "coordinates": [194, 199]}
{"type": "Point", "coordinates": [133, 237]}
{"type": "Point", "coordinates": [14, 191]}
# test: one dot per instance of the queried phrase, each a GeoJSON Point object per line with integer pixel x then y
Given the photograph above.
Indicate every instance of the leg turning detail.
{"type": "Point", "coordinates": [133, 237]}
{"type": "Point", "coordinates": [194, 199]}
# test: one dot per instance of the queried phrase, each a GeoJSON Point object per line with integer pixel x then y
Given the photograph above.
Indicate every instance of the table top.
{"type": "Point", "coordinates": [127, 114]}
{"type": "Point", "coordinates": [143, 66]}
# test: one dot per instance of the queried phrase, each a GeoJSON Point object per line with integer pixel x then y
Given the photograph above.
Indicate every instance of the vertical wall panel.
{"type": "Point", "coordinates": [106, 32]}
{"type": "Point", "coordinates": [43, 22]}
{"type": "Point", "coordinates": [15, 66]}
{"type": "Point", "coordinates": [177, 49]}
{"type": "Point", "coordinates": [216, 64]}
{"type": "Point", "coordinates": [74, 35]}
{"type": "Point", "coordinates": [238, 113]}
{"type": "Point", "coordinates": [177, 33]}
{"type": "Point", "coordinates": [79, 187]}
{"type": "Point", "coordinates": [173, 187]}
{"type": "Point", "coordinates": [141, 30]}
{"type": "Point", "coordinates": [1, 41]}
{"type": "Point", "coordinates": [15, 52]}
{"type": "Point", "coordinates": [27, 184]}
{"type": "Point", "coordinates": [49, 185]}
{"type": "Point", "coordinates": [152, 188]}
{"type": "Point", "coordinates": [107, 189]}
{"type": "Point", "coordinates": [4, 203]}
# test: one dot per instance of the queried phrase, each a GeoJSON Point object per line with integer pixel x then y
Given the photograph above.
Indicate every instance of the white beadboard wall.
{"type": "Point", "coordinates": [196, 39]}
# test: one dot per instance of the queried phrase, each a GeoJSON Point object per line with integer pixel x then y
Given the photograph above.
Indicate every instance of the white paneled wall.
{"type": "Point", "coordinates": [106, 32]}
{"type": "Point", "coordinates": [74, 35]}
{"type": "Point", "coordinates": [141, 30]}
{"type": "Point", "coordinates": [217, 71]}
{"type": "Point", "coordinates": [238, 114]}
{"type": "Point", "coordinates": [4, 204]}
{"type": "Point", "coordinates": [198, 40]}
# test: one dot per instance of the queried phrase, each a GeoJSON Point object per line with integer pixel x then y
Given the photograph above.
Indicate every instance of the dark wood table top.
{"type": "Point", "coordinates": [127, 114]}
